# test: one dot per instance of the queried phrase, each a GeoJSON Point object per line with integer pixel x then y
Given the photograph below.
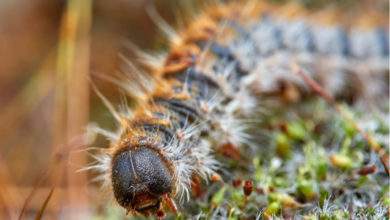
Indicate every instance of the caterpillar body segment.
{"type": "Point", "coordinates": [214, 75]}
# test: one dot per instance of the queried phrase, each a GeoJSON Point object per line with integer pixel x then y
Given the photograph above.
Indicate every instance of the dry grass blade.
{"type": "Point", "coordinates": [55, 172]}
{"type": "Point", "coordinates": [72, 100]}
{"type": "Point", "coordinates": [31, 194]}
{"type": "Point", "coordinates": [44, 205]}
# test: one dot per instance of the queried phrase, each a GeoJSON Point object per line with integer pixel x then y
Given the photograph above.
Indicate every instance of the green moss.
{"type": "Point", "coordinates": [308, 170]}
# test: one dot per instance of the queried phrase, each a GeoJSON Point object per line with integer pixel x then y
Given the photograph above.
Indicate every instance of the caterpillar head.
{"type": "Point", "coordinates": [140, 179]}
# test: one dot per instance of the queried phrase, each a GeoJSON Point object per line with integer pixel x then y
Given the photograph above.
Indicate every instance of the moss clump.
{"type": "Point", "coordinates": [313, 165]}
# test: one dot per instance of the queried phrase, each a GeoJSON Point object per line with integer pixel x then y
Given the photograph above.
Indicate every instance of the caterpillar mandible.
{"type": "Point", "coordinates": [214, 74]}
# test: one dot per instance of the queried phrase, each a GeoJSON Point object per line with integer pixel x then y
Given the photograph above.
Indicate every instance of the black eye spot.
{"type": "Point", "coordinates": [139, 172]}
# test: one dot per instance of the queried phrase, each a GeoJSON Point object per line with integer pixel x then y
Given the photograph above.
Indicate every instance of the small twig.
{"type": "Point", "coordinates": [317, 88]}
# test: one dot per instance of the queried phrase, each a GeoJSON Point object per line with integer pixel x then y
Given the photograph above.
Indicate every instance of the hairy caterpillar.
{"type": "Point", "coordinates": [214, 74]}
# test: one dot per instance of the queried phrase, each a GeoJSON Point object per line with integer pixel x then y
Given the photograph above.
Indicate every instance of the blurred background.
{"type": "Point", "coordinates": [48, 52]}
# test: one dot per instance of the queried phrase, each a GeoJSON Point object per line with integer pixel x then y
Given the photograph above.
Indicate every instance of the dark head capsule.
{"type": "Point", "coordinates": [140, 177]}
